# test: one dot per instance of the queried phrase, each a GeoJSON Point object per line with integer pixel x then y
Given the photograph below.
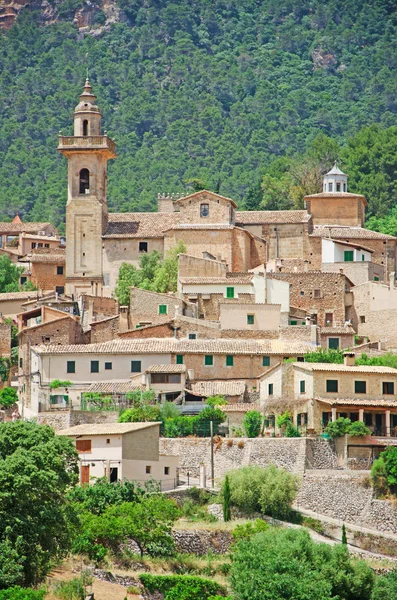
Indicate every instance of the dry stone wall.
{"type": "Point", "coordinates": [63, 419]}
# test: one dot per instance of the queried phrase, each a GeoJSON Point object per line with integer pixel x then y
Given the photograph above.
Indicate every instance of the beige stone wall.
{"type": "Point", "coordinates": [234, 316]}
{"type": "Point", "coordinates": [104, 331]}
{"type": "Point", "coordinates": [193, 266]}
{"type": "Point", "coordinates": [376, 305]}
{"type": "Point", "coordinates": [241, 251]}
{"type": "Point", "coordinates": [258, 252]}
{"type": "Point", "coordinates": [100, 305]}
{"type": "Point", "coordinates": [44, 276]}
{"type": "Point", "coordinates": [345, 340]}
{"type": "Point", "coordinates": [117, 251]}
{"type": "Point", "coordinates": [357, 272]}
{"type": "Point", "coordinates": [292, 240]}
{"type": "Point", "coordinates": [346, 385]}
{"type": "Point", "coordinates": [142, 444]}
{"type": "Point", "coordinates": [210, 309]}
{"type": "Point", "coordinates": [152, 331]}
{"type": "Point", "coordinates": [332, 287]}
{"type": "Point", "coordinates": [340, 210]}
{"type": "Point", "coordinates": [217, 242]}
{"type": "Point", "coordinates": [5, 339]}
{"type": "Point", "coordinates": [220, 210]}
{"type": "Point", "coordinates": [144, 305]}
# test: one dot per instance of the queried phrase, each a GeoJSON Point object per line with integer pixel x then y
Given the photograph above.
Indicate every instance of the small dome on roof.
{"type": "Point", "coordinates": [335, 170]}
{"type": "Point", "coordinates": [87, 100]}
{"type": "Point", "coordinates": [335, 181]}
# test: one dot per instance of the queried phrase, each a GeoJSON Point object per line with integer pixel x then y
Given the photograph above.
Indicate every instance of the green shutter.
{"type": "Point", "coordinates": [230, 292]}
{"type": "Point", "coordinates": [333, 343]}
{"type": "Point", "coordinates": [179, 359]}
{"type": "Point", "coordinates": [293, 322]}
{"type": "Point", "coordinates": [250, 319]}
{"type": "Point", "coordinates": [162, 309]}
{"type": "Point", "coordinates": [208, 360]}
{"type": "Point", "coordinates": [302, 385]}
{"type": "Point", "coordinates": [229, 361]}
{"type": "Point", "coordinates": [266, 361]}
{"type": "Point", "coordinates": [348, 256]}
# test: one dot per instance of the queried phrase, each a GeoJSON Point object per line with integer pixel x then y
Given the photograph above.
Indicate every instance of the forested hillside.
{"type": "Point", "coordinates": [227, 91]}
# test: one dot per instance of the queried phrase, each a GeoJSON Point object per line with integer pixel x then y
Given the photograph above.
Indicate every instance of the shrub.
{"type": "Point", "coordinates": [216, 400]}
{"type": "Point", "coordinates": [325, 356]}
{"type": "Point", "coordinates": [358, 429]}
{"type": "Point", "coordinates": [384, 471]}
{"type": "Point", "coordinates": [379, 477]}
{"type": "Point", "coordinates": [242, 532]}
{"type": "Point", "coordinates": [143, 413]}
{"type": "Point", "coordinates": [133, 589]}
{"type": "Point", "coordinates": [18, 593]}
{"type": "Point", "coordinates": [237, 431]}
{"type": "Point", "coordinates": [344, 536]}
{"type": "Point", "coordinates": [59, 383]}
{"type": "Point", "coordinates": [169, 410]}
{"type": "Point", "coordinates": [338, 428]}
{"type": "Point", "coordinates": [181, 587]}
{"type": "Point", "coordinates": [8, 397]}
{"type": "Point", "coordinates": [252, 423]}
{"type": "Point", "coordinates": [74, 589]}
{"type": "Point", "coordinates": [283, 420]}
{"type": "Point", "coordinates": [291, 431]}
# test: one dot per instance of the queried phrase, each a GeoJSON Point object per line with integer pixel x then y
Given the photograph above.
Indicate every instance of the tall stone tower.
{"type": "Point", "coordinates": [87, 152]}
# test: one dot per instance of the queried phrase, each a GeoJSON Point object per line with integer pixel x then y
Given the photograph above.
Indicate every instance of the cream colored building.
{"type": "Point", "coordinates": [122, 451]}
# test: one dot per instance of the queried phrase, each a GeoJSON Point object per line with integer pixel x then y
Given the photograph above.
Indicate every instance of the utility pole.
{"type": "Point", "coordinates": [212, 452]}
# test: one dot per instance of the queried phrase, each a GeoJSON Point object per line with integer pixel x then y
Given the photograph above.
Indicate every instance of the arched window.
{"type": "Point", "coordinates": [84, 180]}
{"type": "Point", "coordinates": [85, 127]}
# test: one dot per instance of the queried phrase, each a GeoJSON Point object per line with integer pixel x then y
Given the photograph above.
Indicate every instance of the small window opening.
{"type": "Point", "coordinates": [84, 181]}
{"type": "Point", "coordinates": [85, 127]}
{"type": "Point", "coordinates": [204, 210]}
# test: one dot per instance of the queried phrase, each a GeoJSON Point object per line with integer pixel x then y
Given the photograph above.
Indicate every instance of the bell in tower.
{"type": "Point", "coordinates": [87, 152]}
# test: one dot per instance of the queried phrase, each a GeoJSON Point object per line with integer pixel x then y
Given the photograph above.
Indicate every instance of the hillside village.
{"type": "Point", "coordinates": [258, 295]}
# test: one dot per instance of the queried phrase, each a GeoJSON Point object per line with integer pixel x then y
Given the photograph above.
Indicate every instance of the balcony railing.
{"type": "Point", "coordinates": [88, 141]}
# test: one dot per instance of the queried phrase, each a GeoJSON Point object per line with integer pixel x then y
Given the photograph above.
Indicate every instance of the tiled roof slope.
{"type": "Point", "coordinates": [357, 402]}
{"type": "Point", "coordinates": [216, 280]}
{"type": "Point", "coordinates": [105, 428]}
{"type": "Point", "coordinates": [175, 346]}
{"type": "Point", "coordinates": [19, 296]}
{"type": "Point", "coordinates": [166, 369]}
{"type": "Point", "coordinates": [22, 227]}
{"type": "Point", "coordinates": [253, 217]}
{"type": "Point", "coordinates": [327, 367]}
{"type": "Point", "coordinates": [140, 225]}
{"type": "Point", "coordinates": [213, 388]}
{"type": "Point", "coordinates": [348, 233]}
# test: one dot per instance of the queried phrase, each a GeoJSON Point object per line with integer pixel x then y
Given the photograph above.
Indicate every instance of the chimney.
{"type": "Point", "coordinates": [349, 359]}
{"type": "Point", "coordinates": [165, 204]}
{"type": "Point", "coordinates": [124, 318]}
{"type": "Point", "coordinates": [341, 271]}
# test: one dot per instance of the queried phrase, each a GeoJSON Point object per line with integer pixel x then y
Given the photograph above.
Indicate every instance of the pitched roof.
{"type": "Point", "coordinates": [182, 346]}
{"type": "Point", "coordinates": [58, 258]}
{"type": "Point", "coordinates": [112, 387]}
{"type": "Point", "coordinates": [217, 280]}
{"type": "Point", "coordinates": [253, 217]}
{"type": "Point", "coordinates": [201, 227]}
{"type": "Point", "coordinates": [357, 402]}
{"type": "Point", "coordinates": [105, 428]}
{"type": "Point", "coordinates": [352, 245]}
{"type": "Point", "coordinates": [348, 233]}
{"type": "Point", "coordinates": [22, 227]}
{"type": "Point", "coordinates": [140, 225]}
{"type": "Point", "coordinates": [240, 407]}
{"type": "Point", "coordinates": [166, 369]}
{"type": "Point", "coordinates": [332, 367]}
{"type": "Point", "coordinates": [213, 388]}
{"type": "Point", "coordinates": [19, 296]}
{"type": "Point", "coordinates": [337, 330]}
{"type": "Point", "coordinates": [203, 193]}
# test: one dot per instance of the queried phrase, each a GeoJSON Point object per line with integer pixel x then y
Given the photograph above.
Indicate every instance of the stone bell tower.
{"type": "Point", "coordinates": [87, 152]}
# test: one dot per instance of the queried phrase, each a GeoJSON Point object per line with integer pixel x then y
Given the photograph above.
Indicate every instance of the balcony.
{"type": "Point", "coordinates": [88, 142]}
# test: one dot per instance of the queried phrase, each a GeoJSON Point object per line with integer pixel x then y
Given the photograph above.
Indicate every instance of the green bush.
{"type": "Point", "coordinates": [242, 532]}
{"type": "Point", "coordinates": [384, 471]}
{"type": "Point", "coordinates": [74, 589]}
{"type": "Point", "coordinates": [338, 428]}
{"type": "Point", "coordinates": [358, 429]}
{"type": "Point", "coordinates": [18, 593]}
{"type": "Point", "coordinates": [218, 400]}
{"type": "Point", "coordinates": [226, 500]}
{"type": "Point", "coordinates": [291, 431]}
{"type": "Point", "coordinates": [181, 587]}
{"type": "Point", "coordinates": [8, 397]}
{"type": "Point", "coordinates": [325, 356]}
{"type": "Point", "coordinates": [252, 423]}
{"type": "Point", "coordinates": [283, 420]}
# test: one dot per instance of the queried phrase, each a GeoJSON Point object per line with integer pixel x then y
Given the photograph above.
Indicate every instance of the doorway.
{"type": "Point", "coordinates": [113, 474]}
{"type": "Point", "coordinates": [85, 474]}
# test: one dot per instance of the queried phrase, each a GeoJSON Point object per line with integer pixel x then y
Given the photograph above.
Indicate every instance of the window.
{"type": "Point", "coordinates": [204, 210]}
{"type": "Point", "coordinates": [59, 270]}
{"type": "Point", "coordinates": [23, 280]}
{"type": "Point", "coordinates": [338, 187]}
{"type": "Point", "coordinates": [331, 386]}
{"type": "Point", "coordinates": [142, 246]}
{"type": "Point", "coordinates": [330, 187]}
{"type": "Point", "coordinates": [270, 389]}
{"type": "Point", "coordinates": [85, 127]}
{"type": "Point", "coordinates": [83, 445]}
{"type": "Point", "coordinates": [266, 361]}
{"type": "Point", "coordinates": [376, 278]}
{"type": "Point", "coordinates": [135, 366]}
{"type": "Point", "coordinates": [163, 309]}
{"type": "Point", "coordinates": [302, 386]}
{"type": "Point", "coordinates": [344, 187]}
{"type": "Point", "coordinates": [300, 359]}
{"type": "Point", "coordinates": [360, 387]}
{"type": "Point", "coordinates": [362, 257]}
{"type": "Point", "coordinates": [108, 440]}
{"type": "Point", "coordinates": [250, 319]}
{"type": "Point", "coordinates": [329, 318]}
{"type": "Point", "coordinates": [348, 255]}
{"type": "Point", "coordinates": [333, 343]}
{"type": "Point", "coordinates": [166, 470]}
{"type": "Point", "coordinates": [59, 289]}
{"type": "Point", "coordinates": [317, 293]}
{"type": "Point", "coordinates": [20, 362]}
{"type": "Point", "coordinates": [148, 469]}
{"type": "Point", "coordinates": [165, 378]}
{"type": "Point", "coordinates": [95, 366]}
{"type": "Point", "coordinates": [368, 419]}
{"type": "Point", "coordinates": [229, 361]}
{"type": "Point", "coordinates": [84, 182]}
{"type": "Point", "coordinates": [70, 366]}
{"type": "Point", "coordinates": [293, 322]}
{"type": "Point", "coordinates": [388, 387]}
{"type": "Point", "coordinates": [179, 359]}
{"type": "Point", "coordinates": [192, 336]}
{"type": "Point", "coordinates": [302, 293]}
{"type": "Point", "coordinates": [362, 318]}
{"type": "Point", "coordinates": [208, 360]}
{"type": "Point", "coordinates": [230, 292]}
{"type": "Point", "coordinates": [108, 366]}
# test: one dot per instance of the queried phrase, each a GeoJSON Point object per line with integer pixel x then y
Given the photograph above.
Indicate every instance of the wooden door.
{"type": "Point", "coordinates": [85, 474]}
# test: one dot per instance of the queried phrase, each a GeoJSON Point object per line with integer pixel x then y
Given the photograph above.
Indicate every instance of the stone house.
{"type": "Point", "coordinates": [149, 308]}
{"type": "Point", "coordinates": [45, 269]}
{"type": "Point", "coordinates": [354, 260]}
{"type": "Point", "coordinates": [317, 393]}
{"type": "Point", "coordinates": [12, 303]}
{"type": "Point", "coordinates": [122, 451]}
{"type": "Point", "coordinates": [119, 360]}
{"type": "Point", "coordinates": [18, 237]}
{"type": "Point", "coordinates": [169, 381]}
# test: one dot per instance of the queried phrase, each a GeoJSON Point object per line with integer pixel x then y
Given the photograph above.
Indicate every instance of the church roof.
{"type": "Point", "coordinates": [259, 217]}
{"type": "Point", "coordinates": [347, 233]}
{"type": "Point", "coordinates": [140, 225]}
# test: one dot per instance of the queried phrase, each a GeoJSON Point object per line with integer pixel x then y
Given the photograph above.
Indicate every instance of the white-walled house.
{"type": "Point", "coordinates": [121, 451]}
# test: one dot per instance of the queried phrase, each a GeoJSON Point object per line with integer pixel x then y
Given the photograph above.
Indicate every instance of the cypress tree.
{"type": "Point", "coordinates": [226, 500]}
{"type": "Point", "coordinates": [344, 537]}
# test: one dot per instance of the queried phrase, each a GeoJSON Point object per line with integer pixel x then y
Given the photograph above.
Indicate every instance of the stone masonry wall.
{"type": "Point", "coordinates": [45, 276]}
{"type": "Point", "coordinates": [236, 452]}
{"type": "Point", "coordinates": [104, 331]}
{"type": "Point", "coordinates": [5, 339]}
{"type": "Point", "coordinates": [63, 419]}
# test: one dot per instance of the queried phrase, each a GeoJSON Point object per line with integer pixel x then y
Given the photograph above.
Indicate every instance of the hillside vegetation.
{"type": "Point", "coordinates": [227, 91]}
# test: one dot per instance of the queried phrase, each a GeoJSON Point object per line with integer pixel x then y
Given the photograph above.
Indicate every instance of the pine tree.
{"type": "Point", "coordinates": [226, 500]}
{"type": "Point", "coordinates": [344, 537]}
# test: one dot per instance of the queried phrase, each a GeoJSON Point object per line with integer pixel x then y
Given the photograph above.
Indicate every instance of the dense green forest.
{"type": "Point", "coordinates": [253, 97]}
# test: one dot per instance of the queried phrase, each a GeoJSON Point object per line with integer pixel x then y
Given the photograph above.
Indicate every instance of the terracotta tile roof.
{"type": "Point", "coordinates": [335, 368]}
{"type": "Point", "coordinates": [205, 193]}
{"type": "Point", "coordinates": [213, 388]}
{"type": "Point", "coordinates": [166, 369]}
{"type": "Point", "coordinates": [22, 227]}
{"type": "Point", "coordinates": [105, 428]}
{"type": "Point", "coordinates": [140, 225]}
{"type": "Point", "coordinates": [113, 387]}
{"type": "Point", "coordinates": [217, 280]}
{"type": "Point", "coordinates": [19, 296]}
{"type": "Point", "coordinates": [357, 402]}
{"type": "Point", "coordinates": [337, 330]}
{"type": "Point", "coordinates": [199, 226]}
{"type": "Point", "coordinates": [241, 407]}
{"type": "Point", "coordinates": [47, 258]}
{"type": "Point", "coordinates": [358, 246]}
{"type": "Point", "coordinates": [336, 195]}
{"type": "Point", "coordinates": [253, 217]}
{"type": "Point", "coordinates": [348, 233]}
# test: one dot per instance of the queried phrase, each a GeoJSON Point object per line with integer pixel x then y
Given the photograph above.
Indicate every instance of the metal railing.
{"type": "Point", "coordinates": [91, 141]}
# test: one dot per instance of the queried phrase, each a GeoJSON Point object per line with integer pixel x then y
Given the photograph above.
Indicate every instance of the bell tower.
{"type": "Point", "coordinates": [87, 152]}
